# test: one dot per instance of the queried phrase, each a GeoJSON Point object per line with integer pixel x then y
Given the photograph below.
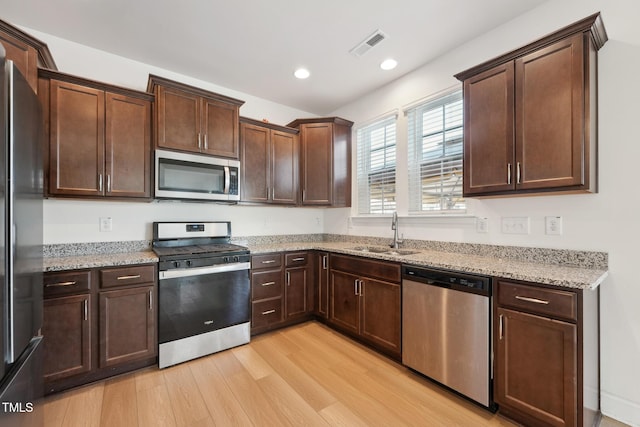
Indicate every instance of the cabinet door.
{"type": "Point", "coordinates": [127, 325]}
{"type": "Point", "coordinates": [488, 131]}
{"type": "Point", "coordinates": [76, 146]}
{"type": "Point", "coordinates": [322, 291]}
{"type": "Point", "coordinates": [316, 145]}
{"type": "Point", "coordinates": [380, 314]}
{"type": "Point", "coordinates": [284, 155]}
{"type": "Point", "coordinates": [345, 307]}
{"type": "Point", "coordinates": [178, 120]}
{"type": "Point", "coordinates": [550, 115]}
{"type": "Point", "coordinates": [128, 146]}
{"type": "Point", "coordinates": [537, 367]}
{"type": "Point", "coordinates": [256, 170]}
{"type": "Point", "coordinates": [297, 292]}
{"type": "Point", "coordinates": [66, 328]}
{"type": "Point", "coordinates": [220, 128]}
{"type": "Point", "coordinates": [24, 57]}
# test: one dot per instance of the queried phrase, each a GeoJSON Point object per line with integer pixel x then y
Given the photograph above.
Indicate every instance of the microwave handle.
{"type": "Point", "coordinates": [227, 179]}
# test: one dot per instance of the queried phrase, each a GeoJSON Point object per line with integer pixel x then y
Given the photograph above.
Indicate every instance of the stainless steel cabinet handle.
{"type": "Point", "coordinates": [199, 141]}
{"type": "Point", "coordinates": [86, 309]}
{"type": "Point", "coordinates": [501, 326]}
{"type": "Point", "coordinates": [206, 143]}
{"type": "Point", "coordinates": [325, 262]}
{"type": "Point", "coordinates": [360, 287]}
{"type": "Point", "coordinates": [534, 300]}
{"type": "Point", "coordinates": [509, 173]}
{"type": "Point", "coordinates": [298, 259]}
{"type": "Point", "coordinates": [150, 299]}
{"type": "Point", "coordinates": [53, 285]}
{"type": "Point", "coordinates": [135, 276]}
{"type": "Point", "coordinates": [270, 261]}
{"type": "Point", "coordinates": [268, 312]}
{"type": "Point", "coordinates": [518, 173]}
{"type": "Point", "coordinates": [288, 279]}
{"type": "Point", "coordinates": [108, 183]}
{"type": "Point", "coordinates": [355, 287]}
{"type": "Point", "coordinates": [99, 182]}
{"type": "Point", "coordinates": [267, 284]}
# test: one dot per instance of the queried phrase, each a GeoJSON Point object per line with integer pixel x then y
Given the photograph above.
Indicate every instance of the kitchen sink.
{"type": "Point", "coordinates": [388, 251]}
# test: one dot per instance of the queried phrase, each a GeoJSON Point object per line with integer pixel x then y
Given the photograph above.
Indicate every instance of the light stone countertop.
{"type": "Point", "coordinates": [544, 273]}
{"type": "Point", "coordinates": [76, 262]}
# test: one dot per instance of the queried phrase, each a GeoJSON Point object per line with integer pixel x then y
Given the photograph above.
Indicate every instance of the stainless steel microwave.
{"type": "Point", "coordinates": [196, 177]}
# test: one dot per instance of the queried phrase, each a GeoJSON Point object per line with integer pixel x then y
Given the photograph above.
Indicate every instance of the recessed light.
{"type": "Point", "coordinates": [302, 73]}
{"type": "Point", "coordinates": [389, 64]}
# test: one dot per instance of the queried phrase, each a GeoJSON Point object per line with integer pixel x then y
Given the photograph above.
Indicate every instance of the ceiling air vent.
{"type": "Point", "coordinates": [371, 41]}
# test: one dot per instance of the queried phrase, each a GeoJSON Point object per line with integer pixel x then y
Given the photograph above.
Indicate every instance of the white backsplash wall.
{"type": "Point", "coordinates": [73, 221]}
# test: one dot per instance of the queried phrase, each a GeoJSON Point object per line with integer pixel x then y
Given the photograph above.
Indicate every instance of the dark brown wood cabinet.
{"type": "Point", "coordinates": [26, 52]}
{"type": "Point", "coordinates": [325, 161]}
{"type": "Point", "coordinates": [99, 138]}
{"type": "Point", "coordinates": [269, 157]}
{"type": "Point", "coordinates": [191, 119]}
{"type": "Point", "coordinates": [98, 323]}
{"type": "Point", "coordinates": [365, 301]}
{"type": "Point", "coordinates": [546, 363]}
{"type": "Point", "coordinates": [281, 290]}
{"type": "Point", "coordinates": [530, 116]}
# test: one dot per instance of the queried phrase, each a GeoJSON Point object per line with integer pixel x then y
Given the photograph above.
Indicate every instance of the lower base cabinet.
{"type": "Point", "coordinates": [98, 323]}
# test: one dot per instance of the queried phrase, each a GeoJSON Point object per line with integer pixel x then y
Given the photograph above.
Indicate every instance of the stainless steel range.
{"type": "Point", "coordinates": [204, 290]}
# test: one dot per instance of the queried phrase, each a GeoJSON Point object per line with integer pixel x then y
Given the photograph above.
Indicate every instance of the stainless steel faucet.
{"type": "Point", "coordinates": [394, 226]}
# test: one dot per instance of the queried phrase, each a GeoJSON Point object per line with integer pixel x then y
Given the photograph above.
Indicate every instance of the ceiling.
{"type": "Point", "coordinates": [254, 46]}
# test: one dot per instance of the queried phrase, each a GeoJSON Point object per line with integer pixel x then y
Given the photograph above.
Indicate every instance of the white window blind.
{"type": "Point", "coordinates": [435, 155]}
{"type": "Point", "coordinates": [376, 164]}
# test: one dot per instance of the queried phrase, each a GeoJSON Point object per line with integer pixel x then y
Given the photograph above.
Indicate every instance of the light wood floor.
{"type": "Point", "coordinates": [303, 375]}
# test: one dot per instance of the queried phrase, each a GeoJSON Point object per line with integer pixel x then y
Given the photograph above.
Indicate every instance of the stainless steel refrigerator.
{"type": "Point", "coordinates": [21, 182]}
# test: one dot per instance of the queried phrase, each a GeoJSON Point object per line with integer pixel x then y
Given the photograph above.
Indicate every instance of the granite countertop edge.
{"type": "Point", "coordinates": [549, 274]}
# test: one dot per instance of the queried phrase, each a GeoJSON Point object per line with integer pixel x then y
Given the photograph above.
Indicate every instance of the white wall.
{"type": "Point", "coordinates": [607, 221]}
{"type": "Point", "coordinates": [67, 221]}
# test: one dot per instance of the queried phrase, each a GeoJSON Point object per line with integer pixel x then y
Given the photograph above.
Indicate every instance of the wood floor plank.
{"type": "Point", "coordinates": [153, 407]}
{"type": "Point", "coordinates": [119, 406]}
{"type": "Point", "coordinates": [311, 392]}
{"type": "Point", "coordinates": [184, 396]}
{"type": "Point", "coordinates": [252, 362]}
{"type": "Point", "coordinates": [149, 378]}
{"type": "Point", "coordinates": [338, 415]}
{"type": "Point", "coordinates": [55, 410]}
{"type": "Point", "coordinates": [224, 408]}
{"type": "Point", "coordinates": [85, 406]}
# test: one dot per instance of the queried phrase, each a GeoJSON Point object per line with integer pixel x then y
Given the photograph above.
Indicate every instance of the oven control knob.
{"type": "Point", "coordinates": [225, 259]}
{"type": "Point", "coordinates": [188, 263]}
{"type": "Point", "coordinates": [176, 264]}
{"type": "Point", "coordinates": [236, 258]}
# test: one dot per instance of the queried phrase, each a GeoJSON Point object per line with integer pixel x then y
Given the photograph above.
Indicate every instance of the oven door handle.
{"type": "Point", "coordinates": [198, 271]}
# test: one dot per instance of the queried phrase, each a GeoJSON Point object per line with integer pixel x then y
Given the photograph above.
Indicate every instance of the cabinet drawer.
{"type": "Point", "coordinates": [295, 259]}
{"type": "Point", "coordinates": [113, 277]}
{"type": "Point", "coordinates": [266, 284]}
{"type": "Point", "coordinates": [551, 302]}
{"type": "Point", "coordinates": [266, 312]}
{"type": "Point", "coordinates": [266, 261]}
{"type": "Point", "coordinates": [67, 282]}
{"type": "Point", "coordinates": [388, 271]}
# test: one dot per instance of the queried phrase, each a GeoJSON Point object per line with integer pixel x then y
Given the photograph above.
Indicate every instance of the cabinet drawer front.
{"type": "Point", "coordinates": [266, 261]}
{"type": "Point", "coordinates": [388, 271]}
{"type": "Point", "coordinates": [266, 312]}
{"type": "Point", "coordinates": [113, 277]}
{"type": "Point", "coordinates": [296, 259]}
{"type": "Point", "coordinates": [552, 302]}
{"type": "Point", "coordinates": [67, 282]}
{"type": "Point", "coordinates": [266, 284]}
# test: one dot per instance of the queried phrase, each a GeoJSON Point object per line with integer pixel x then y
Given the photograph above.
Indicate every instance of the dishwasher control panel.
{"type": "Point", "coordinates": [448, 279]}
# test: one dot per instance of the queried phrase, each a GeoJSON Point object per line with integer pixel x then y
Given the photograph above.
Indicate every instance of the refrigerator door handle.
{"type": "Point", "coordinates": [11, 330]}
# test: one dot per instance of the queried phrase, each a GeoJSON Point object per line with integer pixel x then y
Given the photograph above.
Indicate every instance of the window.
{"type": "Point", "coordinates": [435, 155]}
{"type": "Point", "coordinates": [376, 163]}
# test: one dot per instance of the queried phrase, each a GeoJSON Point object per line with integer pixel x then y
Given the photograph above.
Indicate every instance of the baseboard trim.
{"type": "Point", "coordinates": [620, 409]}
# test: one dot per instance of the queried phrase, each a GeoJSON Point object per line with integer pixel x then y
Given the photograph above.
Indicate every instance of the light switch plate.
{"type": "Point", "coordinates": [482, 225]}
{"type": "Point", "coordinates": [553, 225]}
{"type": "Point", "coordinates": [106, 223]}
{"type": "Point", "coordinates": [515, 225]}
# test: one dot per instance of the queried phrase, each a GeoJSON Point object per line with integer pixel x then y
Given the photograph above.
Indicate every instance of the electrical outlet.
{"type": "Point", "coordinates": [515, 225]}
{"type": "Point", "coordinates": [106, 223]}
{"type": "Point", "coordinates": [553, 225]}
{"type": "Point", "coordinates": [482, 225]}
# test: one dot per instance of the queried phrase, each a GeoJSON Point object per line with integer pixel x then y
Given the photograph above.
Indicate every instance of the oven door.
{"type": "Point", "coordinates": [199, 300]}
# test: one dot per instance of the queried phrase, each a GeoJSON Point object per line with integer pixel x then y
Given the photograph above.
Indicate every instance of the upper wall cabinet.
{"type": "Point", "coordinates": [269, 157]}
{"type": "Point", "coordinates": [325, 161]}
{"type": "Point", "coordinates": [530, 116]}
{"type": "Point", "coordinates": [191, 119]}
{"type": "Point", "coordinates": [26, 52]}
{"type": "Point", "coordinates": [99, 138]}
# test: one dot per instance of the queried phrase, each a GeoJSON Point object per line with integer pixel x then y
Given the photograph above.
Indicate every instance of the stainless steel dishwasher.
{"type": "Point", "coordinates": [446, 329]}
